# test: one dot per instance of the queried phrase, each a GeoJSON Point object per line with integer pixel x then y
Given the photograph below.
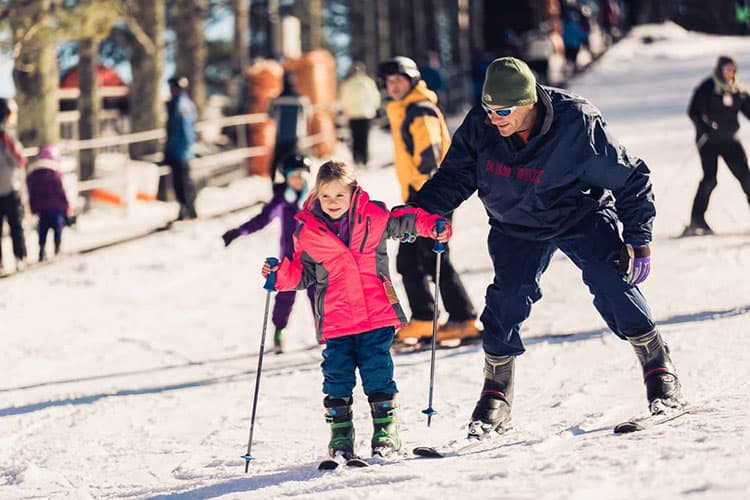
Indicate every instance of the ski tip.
{"type": "Point", "coordinates": [356, 462]}
{"type": "Point", "coordinates": [628, 427]}
{"type": "Point", "coordinates": [427, 452]}
{"type": "Point", "coordinates": [328, 464]}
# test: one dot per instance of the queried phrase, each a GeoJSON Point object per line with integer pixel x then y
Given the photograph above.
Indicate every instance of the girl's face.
{"type": "Point", "coordinates": [335, 197]}
{"type": "Point", "coordinates": [296, 180]}
{"type": "Point", "coordinates": [728, 71]}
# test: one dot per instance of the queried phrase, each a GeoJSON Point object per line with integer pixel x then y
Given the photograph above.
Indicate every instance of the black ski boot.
{"type": "Point", "coordinates": [663, 388]}
{"type": "Point", "coordinates": [339, 417]}
{"type": "Point", "coordinates": [492, 411]}
{"type": "Point", "coordinates": [385, 440]}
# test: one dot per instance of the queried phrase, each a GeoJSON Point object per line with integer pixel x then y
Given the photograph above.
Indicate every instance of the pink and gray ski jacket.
{"type": "Point", "coordinates": [353, 290]}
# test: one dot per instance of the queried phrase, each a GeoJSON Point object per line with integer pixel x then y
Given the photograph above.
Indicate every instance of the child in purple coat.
{"type": "Point", "coordinates": [285, 204]}
{"type": "Point", "coordinates": [47, 196]}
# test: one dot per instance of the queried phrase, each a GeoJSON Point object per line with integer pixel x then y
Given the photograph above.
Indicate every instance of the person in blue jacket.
{"type": "Point", "coordinates": [178, 149]}
{"type": "Point", "coordinates": [551, 176]}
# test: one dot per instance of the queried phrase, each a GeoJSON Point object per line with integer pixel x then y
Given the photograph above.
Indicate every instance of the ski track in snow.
{"type": "Point", "coordinates": [129, 372]}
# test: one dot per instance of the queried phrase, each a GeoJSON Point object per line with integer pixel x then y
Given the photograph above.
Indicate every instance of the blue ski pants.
{"type": "Point", "coordinates": [370, 352]}
{"type": "Point", "coordinates": [593, 245]}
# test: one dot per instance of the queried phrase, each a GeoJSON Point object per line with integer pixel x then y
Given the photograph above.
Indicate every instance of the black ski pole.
{"type": "Point", "coordinates": [269, 286]}
{"type": "Point", "coordinates": [439, 248]}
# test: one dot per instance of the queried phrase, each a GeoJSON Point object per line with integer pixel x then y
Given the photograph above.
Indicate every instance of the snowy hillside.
{"type": "Point", "coordinates": [129, 372]}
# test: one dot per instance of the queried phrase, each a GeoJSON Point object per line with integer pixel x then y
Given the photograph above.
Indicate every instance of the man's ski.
{"type": "Point", "coordinates": [642, 423]}
{"type": "Point", "coordinates": [459, 447]}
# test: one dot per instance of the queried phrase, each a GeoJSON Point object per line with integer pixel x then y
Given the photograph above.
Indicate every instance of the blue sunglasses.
{"type": "Point", "coordinates": [499, 112]}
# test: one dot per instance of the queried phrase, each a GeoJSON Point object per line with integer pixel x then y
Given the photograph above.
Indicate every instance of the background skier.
{"type": "Point", "coordinates": [713, 109]}
{"type": "Point", "coordinates": [11, 206]}
{"type": "Point", "coordinates": [285, 204]}
{"type": "Point", "coordinates": [47, 197]}
{"type": "Point", "coordinates": [421, 139]}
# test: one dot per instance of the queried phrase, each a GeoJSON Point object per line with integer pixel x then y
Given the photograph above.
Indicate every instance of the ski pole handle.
{"type": "Point", "coordinates": [439, 228]}
{"type": "Point", "coordinates": [270, 283]}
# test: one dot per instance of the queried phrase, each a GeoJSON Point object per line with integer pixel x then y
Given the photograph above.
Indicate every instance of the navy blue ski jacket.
{"type": "Point", "coordinates": [570, 167]}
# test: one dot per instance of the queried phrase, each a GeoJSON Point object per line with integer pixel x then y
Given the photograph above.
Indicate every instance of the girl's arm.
{"type": "Point", "coordinates": [405, 222]}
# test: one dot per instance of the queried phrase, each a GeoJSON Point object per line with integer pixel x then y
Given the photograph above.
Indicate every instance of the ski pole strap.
{"type": "Point", "coordinates": [439, 228]}
{"type": "Point", "coordinates": [270, 284]}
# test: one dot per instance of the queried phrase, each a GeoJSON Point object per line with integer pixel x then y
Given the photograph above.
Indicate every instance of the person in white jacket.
{"type": "Point", "coordinates": [360, 100]}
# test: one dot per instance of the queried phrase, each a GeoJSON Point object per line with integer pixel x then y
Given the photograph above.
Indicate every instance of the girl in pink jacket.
{"type": "Point", "coordinates": [340, 247]}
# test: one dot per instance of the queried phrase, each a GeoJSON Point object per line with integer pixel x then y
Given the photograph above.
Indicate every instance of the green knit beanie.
{"type": "Point", "coordinates": [508, 82]}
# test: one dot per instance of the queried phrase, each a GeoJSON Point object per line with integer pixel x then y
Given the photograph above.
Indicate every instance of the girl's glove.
{"type": "Point", "coordinates": [444, 235]}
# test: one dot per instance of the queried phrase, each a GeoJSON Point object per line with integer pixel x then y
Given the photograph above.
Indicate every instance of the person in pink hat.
{"type": "Point", "coordinates": [47, 197]}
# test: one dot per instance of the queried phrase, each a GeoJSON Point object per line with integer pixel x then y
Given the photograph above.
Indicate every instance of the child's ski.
{"type": "Point", "coordinates": [333, 463]}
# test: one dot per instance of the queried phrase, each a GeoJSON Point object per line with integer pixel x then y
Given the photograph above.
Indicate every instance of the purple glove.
{"type": "Point", "coordinates": [635, 263]}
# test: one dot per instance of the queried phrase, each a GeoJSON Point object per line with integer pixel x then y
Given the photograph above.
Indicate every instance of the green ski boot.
{"type": "Point", "coordinates": [278, 341]}
{"type": "Point", "coordinates": [339, 417]}
{"type": "Point", "coordinates": [385, 440]}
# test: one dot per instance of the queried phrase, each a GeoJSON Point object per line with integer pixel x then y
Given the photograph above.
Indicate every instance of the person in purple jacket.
{"type": "Point", "coordinates": [47, 196]}
{"type": "Point", "coordinates": [286, 202]}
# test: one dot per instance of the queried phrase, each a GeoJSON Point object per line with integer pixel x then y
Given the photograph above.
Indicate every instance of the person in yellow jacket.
{"type": "Point", "coordinates": [360, 100]}
{"type": "Point", "coordinates": [421, 140]}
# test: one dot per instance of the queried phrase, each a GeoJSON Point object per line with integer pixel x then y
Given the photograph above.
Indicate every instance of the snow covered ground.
{"type": "Point", "coordinates": [129, 372]}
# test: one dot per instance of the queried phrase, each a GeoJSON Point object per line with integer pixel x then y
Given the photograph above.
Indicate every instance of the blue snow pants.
{"type": "Point", "coordinates": [593, 245]}
{"type": "Point", "coordinates": [370, 352]}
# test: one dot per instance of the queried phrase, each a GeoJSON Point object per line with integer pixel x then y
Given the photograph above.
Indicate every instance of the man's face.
{"type": "Point", "coordinates": [520, 119]}
{"type": "Point", "coordinates": [397, 86]}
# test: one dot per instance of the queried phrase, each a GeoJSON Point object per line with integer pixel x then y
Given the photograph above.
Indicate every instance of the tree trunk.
{"type": "Point", "coordinates": [310, 15]}
{"type": "Point", "coordinates": [463, 51]}
{"type": "Point", "coordinates": [419, 39]}
{"type": "Point", "coordinates": [383, 47]}
{"type": "Point", "coordinates": [240, 46]}
{"type": "Point", "coordinates": [274, 29]}
{"type": "Point", "coordinates": [146, 105]}
{"type": "Point", "coordinates": [36, 78]}
{"type": "Point", "coordinates": [358, 34]}
{"type": "Point", "coordinates": [35, 72]}
{"type": "Point", "coordinates": [88, 103]}
{"type": "Point", "coordinates": [190, 56]}
{"type": "Point", "coordinates": [476, 29]}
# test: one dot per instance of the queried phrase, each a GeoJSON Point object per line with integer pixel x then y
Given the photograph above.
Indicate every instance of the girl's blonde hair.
{"type": "Point", "coordinates": [334, 170]}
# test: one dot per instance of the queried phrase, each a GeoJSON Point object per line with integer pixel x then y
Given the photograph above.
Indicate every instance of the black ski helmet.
{"type": "Point", "coordinates": [295, 162]}
{"type": "Point", "coordinates": [399, 65]}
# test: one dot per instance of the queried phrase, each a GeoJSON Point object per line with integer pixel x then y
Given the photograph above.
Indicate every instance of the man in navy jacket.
{"type": "Point", "coordinates": [551, 177]}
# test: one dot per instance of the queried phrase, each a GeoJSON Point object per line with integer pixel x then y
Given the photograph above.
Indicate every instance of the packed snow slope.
{"type": "Point", "coordinates": [129, 372]}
